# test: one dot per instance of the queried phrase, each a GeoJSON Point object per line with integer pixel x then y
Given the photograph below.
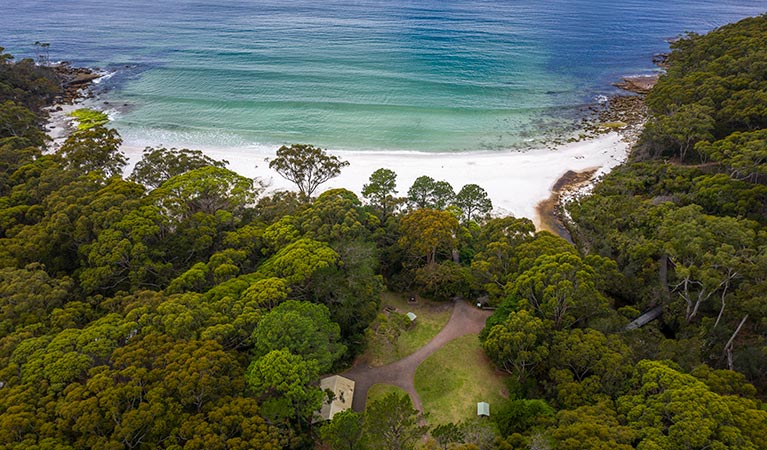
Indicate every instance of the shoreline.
{"type": "Point", "coordinates": [518, 182]}
{"type": "Point", "coordinates": [515, 181]}
{"type": "Point", "coordinates": [549, 211]}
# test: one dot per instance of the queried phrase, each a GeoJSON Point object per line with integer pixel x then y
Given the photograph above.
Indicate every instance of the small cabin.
{"type": "Point", "coordinates": [343, 394]}
{"type": "Point", "coordinates": [483, 409]}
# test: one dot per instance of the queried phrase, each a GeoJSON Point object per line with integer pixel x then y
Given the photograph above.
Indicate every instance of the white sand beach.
{"type": "Point", "coordinates": [515, 181]}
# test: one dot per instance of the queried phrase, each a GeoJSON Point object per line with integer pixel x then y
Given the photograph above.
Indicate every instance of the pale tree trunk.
{"type": "Point", "coordinates": [729, 345]}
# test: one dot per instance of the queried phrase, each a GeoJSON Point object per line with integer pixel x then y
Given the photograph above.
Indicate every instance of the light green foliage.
{"type": "Point", "coordinates": [281, 233]}
{"type": "Point", "coordinates": [393, 424]}
{"type": "Point", "coordinates": [283, 383]}
{"type": "Point", "coordinates": [307, 166]}
{"type": "Point", "coordinates": [266, 293]}
{"type": "Point", "coordinates": [304, 329]}
{"type": "Point", "coordinates": [724, 382]}
{"type": "Point", "coordinates": [592, 427]}
{"type": "Point", "coordinates": [298, 261]}
{"type": "Point", "coordinates": [518, 345]}
{"type": "Point", "coordinates": [206, 190]}
{"type": "Point", "coordinates": [561, 289]}
{"type": "Point", "coordinates": [671, 410]}
{"type": "Point", "coordinates": [89, 118]}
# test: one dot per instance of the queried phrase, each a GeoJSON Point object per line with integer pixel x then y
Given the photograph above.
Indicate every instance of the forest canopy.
{"type": "Point", "coordinates": [149, 310]}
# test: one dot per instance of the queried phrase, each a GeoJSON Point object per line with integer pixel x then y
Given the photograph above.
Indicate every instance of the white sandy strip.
{"type": "Point", "coordinates": [515, 181]}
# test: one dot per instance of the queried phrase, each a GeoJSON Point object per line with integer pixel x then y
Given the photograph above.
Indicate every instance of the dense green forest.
{"type": "Point", "coordinates": [182, 307]}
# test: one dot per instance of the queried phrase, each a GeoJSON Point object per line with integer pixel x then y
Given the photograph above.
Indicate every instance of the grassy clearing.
{"type": "Point", "coordinates": [432, 317]}
{"type": "Point", "coordinates": [380, 390]}
{"type": "Point", "coordinates": [452, 380]}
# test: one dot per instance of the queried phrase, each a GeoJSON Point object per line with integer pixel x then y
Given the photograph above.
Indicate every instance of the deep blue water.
{"type": "Point", "coordinates": [432, 75]}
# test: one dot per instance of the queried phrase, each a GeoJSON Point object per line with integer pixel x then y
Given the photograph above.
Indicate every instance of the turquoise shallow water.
{"type": "Point", "coordinates": [431, 75]}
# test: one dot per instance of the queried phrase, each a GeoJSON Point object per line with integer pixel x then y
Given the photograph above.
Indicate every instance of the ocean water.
{"type": "Point", "coordinates": [424, 75]}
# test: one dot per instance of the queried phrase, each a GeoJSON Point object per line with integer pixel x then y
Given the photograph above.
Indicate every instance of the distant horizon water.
{"type": "Point", "coordinates": [403, 75]}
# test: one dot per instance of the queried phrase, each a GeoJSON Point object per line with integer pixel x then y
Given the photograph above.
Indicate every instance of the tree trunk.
{"type": "Point", "coordinates": [729, 345]}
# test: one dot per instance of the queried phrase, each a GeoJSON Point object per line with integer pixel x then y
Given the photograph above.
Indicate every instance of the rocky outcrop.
{"type": "Point", "coordinates": [639, 84]}
{"type": "Point", "coordinates": [74, 80]}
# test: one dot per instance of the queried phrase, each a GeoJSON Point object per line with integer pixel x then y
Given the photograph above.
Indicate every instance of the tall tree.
{"type": "Point", "coordinates": [344, 432]}
{"type": "Point", "coordinates": [428, 193]}
{"type": "Point", "coordinates": [518, 345]}
{"type": "Point", "coordinates": [380, 191]}
{"type": "Point", "coordinates": [94, 149]}
{"type": "Point", "coordinates": [160, 164]}
{"type": "Point", "coordinates": [473, 202]}
{"type": "Point", "coordinates": [311, 334]}
{"type": "Point", "coordinates": [206, 190]}
{"type": "Point", "coordinates": [284, 384]}
{"type": "Point", "coordinates": [425, 232]}
{"type": "Point", "coordinates": [392, 423]}
{"type": "Point", "coordinates": [307, 166]}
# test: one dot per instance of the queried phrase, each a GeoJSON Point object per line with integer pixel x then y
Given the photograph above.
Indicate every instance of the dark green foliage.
{"type": "Point", "coordinates": [392, 423]}
{"type": "Point", "coordinates": [425, 193]}
{"type": "Point", "coordinates": [381, 190]}
{"type": "Point", "coordinates": [201, 316]}
{"type": "Point", "coordinates": [448, 433]}
{"type": "Point", "coordinates": [715, 86]}
{"type": "Point", "coordinates": [160, 164]}
{"type": "Point", "coordinates": [443, 281]}
{"type": "Point", "coordinates": [307, 166]}
{"type": "Point", "coordinates": [19, 126]}
{"type": "Point", "coordinates": [26, 83]}
{"type": "Point", "coordinates": [344, 432]}
{"type": "Point", "coordinates": [518, 416]}
{"type": "Point", "coordinates": [473, 202]}
{"type": "Point", "coordinates": [94, 149]}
